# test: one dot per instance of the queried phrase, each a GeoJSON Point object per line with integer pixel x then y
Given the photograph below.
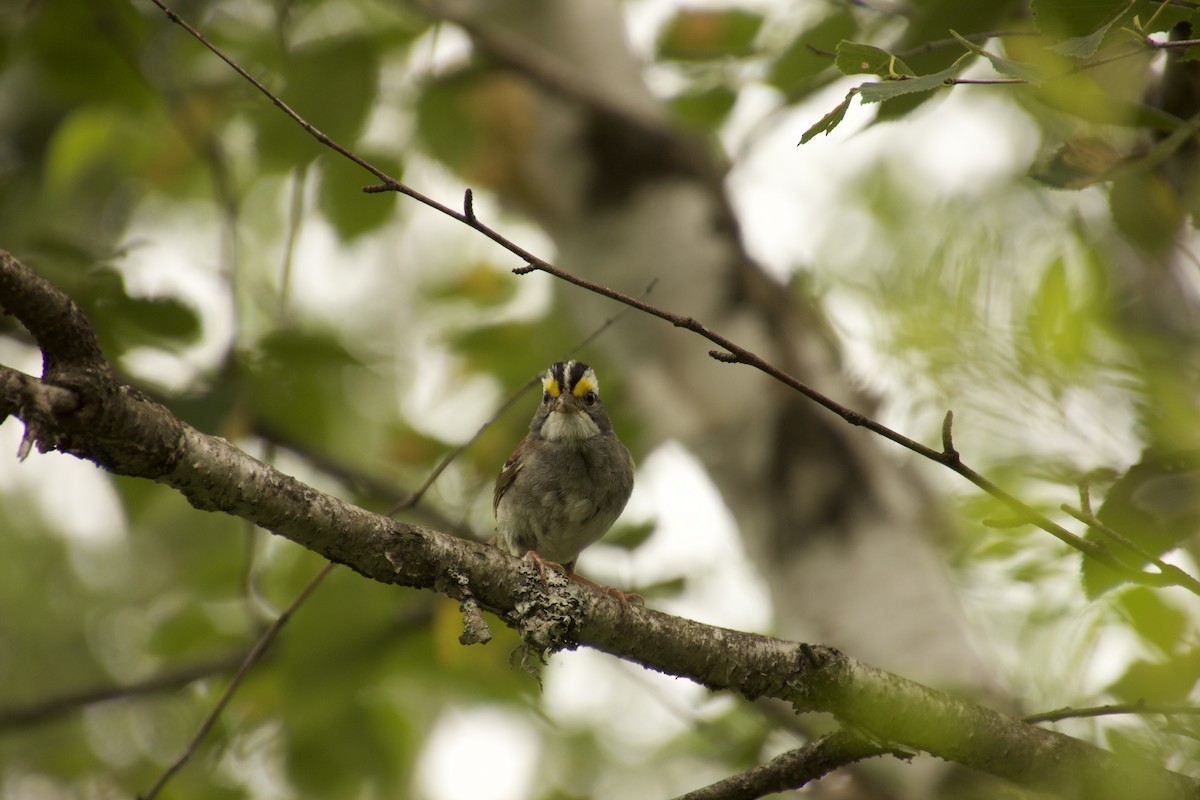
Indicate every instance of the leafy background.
{"type": "Point", "coordinates": [974, 247]}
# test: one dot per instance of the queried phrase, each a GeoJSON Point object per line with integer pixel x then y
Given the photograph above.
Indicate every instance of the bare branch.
{"type": "Point", "coordinates": [252, 658]}
{"type": "Point", "coordinates": [793, 769]}
{"type": "Point", "coordinates": [1067, 712]}
{"type": "Point", "coordinates": [44, 710]}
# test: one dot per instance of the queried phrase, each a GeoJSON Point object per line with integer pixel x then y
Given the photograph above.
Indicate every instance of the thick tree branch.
{"type": "Point", "coordinates": [130, 434]}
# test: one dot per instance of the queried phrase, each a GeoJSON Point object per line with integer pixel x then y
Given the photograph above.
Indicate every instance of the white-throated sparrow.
{"type": "Point", "coordinates": [568, 480]}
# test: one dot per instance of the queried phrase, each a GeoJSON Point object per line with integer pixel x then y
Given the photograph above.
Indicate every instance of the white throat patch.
{"type": "Point", "coordinates": [563, 427]}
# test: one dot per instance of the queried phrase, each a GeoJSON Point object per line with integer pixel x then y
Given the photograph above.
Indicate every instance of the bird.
{"type": "Point", "coordinates": [567, 481]}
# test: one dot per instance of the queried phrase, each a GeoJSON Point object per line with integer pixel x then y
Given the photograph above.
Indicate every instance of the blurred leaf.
{"type": "Point", "coordinates": [702, 35]}
{"type": "Point", "coordinates": [442, 121]}
{"type": "Point", "coordinates": [482, 284]}
{"type": "Point", "coordinates": [1134, 742]}
{"type": "Point", "coordinates": [801, 60]}
{"type": "Point", "coordinates": [855, 58]}
{"type": "Point", "coordinates": [123, 322]}
{"type": "Point", "coordinates": [296, 381]}
{"type": "Point", "coordinates": [341, 198]}
{"type": "Point", "coordinates": [705, 109]}
{"type": "Point", "coordinates": [189, 632]}
{"type": "Point", "coordinates": [513, 352]}
{"type": "Point", "coordinates": [831, 120]}
{"type": "Point", "coordinates": [937, 17]}
{"type": "Point", "coordinates": [1057, 323]}
{"type": "Point", "coordinates": [668, 587]}
{"type": "Point", "coordinates": [332, 84]}
{"type": "Point", "coordinates": [78, 60]}
{"type": "Point", "coordinates": [1080, 96]}
{"type": "Point", "coordinates": [1146, 209]}
{"type": "Point", "coordinates": [1080, 27]}
{"type": "Point", "coordinates": [630, 537]}
{"type": "Point", "coordinates": [1155, 620]}
{"type": "Point", "coordinates": [1159, 682]}
{"type": "Point", "coordinates": [1155, 505]}
{"type": "Point", "coordinates": [1085, 46]}
{"type": "Point", "coordinates": [481, 123]}
{"type": "Point", "coordinates": [85, 142]}
{"type": "Point", "coordinates": [1078, 163]}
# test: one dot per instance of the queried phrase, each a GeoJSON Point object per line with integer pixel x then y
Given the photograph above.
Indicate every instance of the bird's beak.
{"type": "Point", "coordinates": [568, 404]}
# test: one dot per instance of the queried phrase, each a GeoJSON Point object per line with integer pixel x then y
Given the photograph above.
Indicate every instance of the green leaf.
{"type": "Point", "coordinates": [830, 120]}
{"type": "Point", "coordinates": [703, 35]}
{"type": "Point", "coordinates": [123, 321]}
{"type": "Point", "coordinates": [854, 58]}
{"type": "Point", "coordinates": [1080, 96]}
{"type": "Point", "coordinates": [1077, 163]}
{"type": "Point", "coordinates": [705, 109]}
{"type": "Point", "coordinates": [1056, 324]}
{"type": "Point", "coordinates": [342, 200]}
{"type": "Point", "coordinates": [1084, 46]}
{"type": "Point", "coordinates": [630, 537]}
{"type": "Point", "coordinates": [1026, 72]}
{"type": "Point", "coordinates": [483, 284]}
{"type": "Point", "coordinates": [161, 318]}
{"type": "Point", "coordinates": [802, 59]}
{"type": "Point", "coordinates": [1169, 681]}
{"type": "Point", "coordinates": [1147, 209]}
{"type": "Point", "coordinates": [84, 141]}
{"type": "Point", "coordinates": [1154, 620]}
{"type": "Point", "coordinates": [1079, 27]}
{"type": "Point", "coordinates": [298, 382]}
{"type": "Point", "coordinates": [878, 92]}
{"type": "Point", "coordinates": [331, 84]}
{"type": "Point", "coordinates": [444, 121]}
{"type": "Point", "coordinates": [1155, 505]}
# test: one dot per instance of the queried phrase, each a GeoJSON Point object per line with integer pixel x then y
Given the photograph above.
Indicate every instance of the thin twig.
{"type": "Point", "coordinates": [169, 681]}
{"type": "Point", "coordinates": [1110, 710]}
{"type": "Point", "coordinates": [252, 657]}
{"type": "Point", "coordinates": [1176, 575]}
{"type": "Point", "coordinates": [793, 769]}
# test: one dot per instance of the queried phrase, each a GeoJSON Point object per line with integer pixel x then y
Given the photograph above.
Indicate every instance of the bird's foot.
{"type": "Point", "coordinates": [543, 564]}
{"type": "Point", "coordinates": [626, 599]}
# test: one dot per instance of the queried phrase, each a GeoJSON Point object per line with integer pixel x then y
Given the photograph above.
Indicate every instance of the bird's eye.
{"type": "Point", "coordinates": [545, 397]}
{"type": "Point", "coordinates": [589, 398]}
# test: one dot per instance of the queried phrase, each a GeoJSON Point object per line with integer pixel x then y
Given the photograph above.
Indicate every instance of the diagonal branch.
{"type": "Point", "coordinates": [44, 710]}
{"type": "Point", "coordinates": [252, 657]}
{"type": "Point", "coordinates": [793, 769]}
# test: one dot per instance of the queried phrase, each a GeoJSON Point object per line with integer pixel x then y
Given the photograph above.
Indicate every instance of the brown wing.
{"type": "Point", "coordinates": [507, 474]}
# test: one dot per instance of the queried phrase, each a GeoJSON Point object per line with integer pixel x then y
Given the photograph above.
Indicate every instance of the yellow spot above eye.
{"type": "Point", "coordinates": [583, 386]}
{"type": "Point", "coordinates": [551, 386]}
